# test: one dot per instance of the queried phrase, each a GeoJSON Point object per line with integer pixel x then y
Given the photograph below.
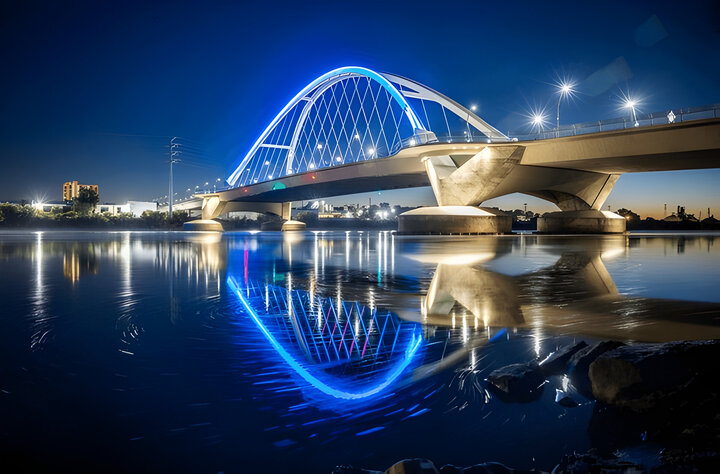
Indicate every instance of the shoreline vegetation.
{"type": "Point", "coordinates": [18, 216]}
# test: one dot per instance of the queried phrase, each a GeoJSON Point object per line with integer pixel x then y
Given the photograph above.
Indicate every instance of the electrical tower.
{"type": "Point", "coordinates": [173, 154]}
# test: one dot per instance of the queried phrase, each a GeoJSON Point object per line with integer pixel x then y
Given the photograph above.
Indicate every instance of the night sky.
{"type": "Point", "coordinates": [93, 91]}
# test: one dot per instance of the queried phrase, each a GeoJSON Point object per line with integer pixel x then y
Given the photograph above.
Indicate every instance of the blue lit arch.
{"type": "Point", "coordinates": [354, 114]}
{"type": "Point", "coordinates": [322, 83]}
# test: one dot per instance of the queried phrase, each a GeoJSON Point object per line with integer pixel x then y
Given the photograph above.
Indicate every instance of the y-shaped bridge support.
{"type": "Point", "coordinates": [462, 182]}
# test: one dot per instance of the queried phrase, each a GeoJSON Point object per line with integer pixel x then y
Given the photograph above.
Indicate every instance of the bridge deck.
{"type": "Point", "coordinates": [678, 146]}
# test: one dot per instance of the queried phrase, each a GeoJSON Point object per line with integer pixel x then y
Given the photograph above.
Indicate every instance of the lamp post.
{"type": "Point", "coordinates": [538, 120]}
{"type": "Point", "coordinates": [473, 107]}
{"type": "Point", "coordinates": [565, 89]}
{"type": "Point", "coordinates": [215, 185]}
{"type": "Point", "coordinates": [630, 104]}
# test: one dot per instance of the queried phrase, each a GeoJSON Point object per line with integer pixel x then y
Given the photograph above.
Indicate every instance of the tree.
{"type": "Point", "coordinates": [628, 214]}
{"type": "Point", "coordinates": [16, 215]}
{"type": "Point", "coordinates": [86, 201]}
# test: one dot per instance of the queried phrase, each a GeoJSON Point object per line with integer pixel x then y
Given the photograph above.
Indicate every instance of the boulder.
{"type": "Point", "coordinates": [413, 466]}
{"type": "Point", "coordinates": [488, 468]}
{"type": "Point", "coordinates": [353, 470]}
{"type": "Point", "coordinates": [562, 398]}
{"type": "Point", "coordinates": [579, 364]}
{"type": "Point", "coordinates": [556, 362]}
{"type": "Point", "coordinates": [643, 376]}
{"type": "Point", "coordinates": [450, 469]}
{"type": "Point", "coordinates": [594, 462]}
{"type": "Point", "coordinates": [517, 382]}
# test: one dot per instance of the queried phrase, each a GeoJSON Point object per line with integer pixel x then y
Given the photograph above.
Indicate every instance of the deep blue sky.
{"type": "Point", "coordinates": [92, 91]}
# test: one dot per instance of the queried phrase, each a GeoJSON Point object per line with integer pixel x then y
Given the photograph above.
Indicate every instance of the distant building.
{"type": "Point", "coordinates": [71, 189]}
{"type": "Point", "coordinates": [136, 208]}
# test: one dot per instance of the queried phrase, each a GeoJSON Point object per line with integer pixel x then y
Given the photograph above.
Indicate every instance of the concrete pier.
{"type": "Point", "coordinates": [203, 224]}
{"type": "Point", "coordinates": [454, 220]}
{"type": "Point", "coordinates": [588, 221]}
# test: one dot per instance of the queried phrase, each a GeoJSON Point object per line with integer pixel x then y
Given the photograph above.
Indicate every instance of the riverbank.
{"type": "Point", "coordinates": [655, 407]}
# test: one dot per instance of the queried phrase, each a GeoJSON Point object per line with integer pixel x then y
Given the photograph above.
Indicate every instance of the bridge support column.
{"type": "Point", "coordinates": [588, 221]}
{"type": "Point", "coordinates": [454, 220]}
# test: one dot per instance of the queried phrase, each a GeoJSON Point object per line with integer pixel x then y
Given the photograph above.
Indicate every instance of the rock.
{"type": "Point", "coordinates": [450, 469]}
{"type": "Point", "coordinates": [562, 398]}
{"type": "Point", "coordinates": [689, 459]}
{"type": "Point", "coordinates": [353, 470]}
{"type": "Point", "coordinates": [556, 362]}
{"type": "Point", "coordinates": [579, 364]}
{"type": "Point", "coordinates": [412, 466]}
{"type": "Point", "coordinates": [517, 382]}
{"type": "Point", "coordinates": [643, 376]}
{"type": "Point", "coordinates": [592, 462]}
{"type": "Point", "coordinates": [488, 468]}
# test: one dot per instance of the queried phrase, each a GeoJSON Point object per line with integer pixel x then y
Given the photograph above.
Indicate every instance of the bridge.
{"type": "Point", "coordinates": [354, 130]}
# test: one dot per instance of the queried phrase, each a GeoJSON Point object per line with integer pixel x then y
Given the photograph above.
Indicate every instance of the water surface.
{"type": "Point", "coordinates": [245, 351]}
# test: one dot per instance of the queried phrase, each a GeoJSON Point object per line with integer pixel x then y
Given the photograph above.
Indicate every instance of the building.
{"type": "Point", "coordinates": [71, 189]}
{"type": "Point", "coordinates": [136, 208]}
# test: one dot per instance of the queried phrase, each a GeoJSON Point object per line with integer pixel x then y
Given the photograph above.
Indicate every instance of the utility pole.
{"type": "Point", "coordinates": [173, 154]}
{"type": "Point", "coordinates": [665, 215]}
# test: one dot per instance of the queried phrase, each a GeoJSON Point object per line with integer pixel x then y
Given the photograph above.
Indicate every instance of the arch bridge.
{"type": "Point", "coordinates": [354, 130]}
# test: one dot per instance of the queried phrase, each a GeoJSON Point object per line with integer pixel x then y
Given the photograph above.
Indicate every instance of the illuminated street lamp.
{"type": "Point", "coordinates": [468, 132]}
{"type": "Point", "coordinates": [631, 104]}
{"type": "Point", "coordinates": [538, 119]}
{"type": "Point", "coordinates": [564, 89]}
{"type": "Point", "coordinates": [215, 185]}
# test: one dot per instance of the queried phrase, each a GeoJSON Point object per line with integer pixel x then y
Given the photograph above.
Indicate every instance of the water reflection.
{"type": "Point", "coordinates": [342, 349]}
{"type": "Point", "coordinates": [270, 340]}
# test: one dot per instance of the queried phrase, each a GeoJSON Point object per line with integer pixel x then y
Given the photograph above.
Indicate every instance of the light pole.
{"type": "Point", "coordinates": [473, 107]}
{"type": "Point", "coordinates": [565, 89]}
{"type": "Point", "coordinates": [630, 104]}
{"type": "Point", "coordinates": [173, 160]}
{"type": "Point", "coordinates": [215, 185]}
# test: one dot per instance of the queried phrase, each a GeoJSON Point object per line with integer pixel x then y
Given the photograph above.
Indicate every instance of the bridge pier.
{"type": "Point", "coordinates": [454, 220]}
{"type": "Point", "coordinates": [213, 207]}
{"type": "Point", "coordinates": [588, 221]}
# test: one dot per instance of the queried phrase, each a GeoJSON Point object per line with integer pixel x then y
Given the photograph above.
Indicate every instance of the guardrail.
{"type": "Point", "coordinates": [643, 120]}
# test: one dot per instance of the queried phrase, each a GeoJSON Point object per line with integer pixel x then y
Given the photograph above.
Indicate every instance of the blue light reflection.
{"type": "Point", "coordinates": [337, 386]}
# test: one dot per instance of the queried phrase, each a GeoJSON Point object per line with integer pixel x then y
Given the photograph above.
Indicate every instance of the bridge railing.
{"type": "Point", "coordinates": [643, 120]}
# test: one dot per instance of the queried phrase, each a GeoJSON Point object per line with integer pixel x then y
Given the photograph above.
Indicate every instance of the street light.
{"type": "Point", "coordinates": [468, 133]}
{"type": "Point", "coordinates": [538, 119]}
{"type": "Point", "coordinates": [564, 89]}
{"type": "Point", "coordinates": [631, 104]}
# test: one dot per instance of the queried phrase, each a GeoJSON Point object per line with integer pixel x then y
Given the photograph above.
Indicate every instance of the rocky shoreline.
{"type": "Point", "coordinates": [661, 393]}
